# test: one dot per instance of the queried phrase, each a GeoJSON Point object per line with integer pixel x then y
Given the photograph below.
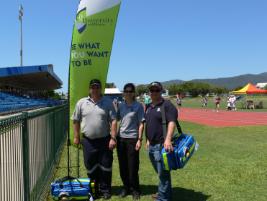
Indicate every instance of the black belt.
{"type": "Point", "coordinates": [84, 136]}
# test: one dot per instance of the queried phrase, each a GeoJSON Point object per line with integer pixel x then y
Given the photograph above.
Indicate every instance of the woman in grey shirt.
{"type": "Point", "coordinates": [131, 116]}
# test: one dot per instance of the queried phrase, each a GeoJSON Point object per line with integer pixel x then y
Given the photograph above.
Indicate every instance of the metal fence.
{"type": "Point", "coordinates": [29, 146]}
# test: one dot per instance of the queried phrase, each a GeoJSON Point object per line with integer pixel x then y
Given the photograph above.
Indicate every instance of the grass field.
{"type": "Point", "coordinates": [230, 165]}
{"type": "Point", "coordinates": [197, 102]}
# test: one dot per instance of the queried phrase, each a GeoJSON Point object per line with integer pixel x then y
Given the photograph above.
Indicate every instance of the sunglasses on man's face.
{"type": "Point", "coordinates": [154, 91]}
{"type": "Point", "coordinates": [95, 87]}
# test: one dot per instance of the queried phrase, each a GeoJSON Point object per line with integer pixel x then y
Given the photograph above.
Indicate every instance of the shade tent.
{"type": "Point", "coordinates": [250, 89]}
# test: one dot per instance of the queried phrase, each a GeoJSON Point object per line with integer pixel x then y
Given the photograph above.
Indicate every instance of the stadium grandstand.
{"type": "Point", "coordinates": [27, 88]}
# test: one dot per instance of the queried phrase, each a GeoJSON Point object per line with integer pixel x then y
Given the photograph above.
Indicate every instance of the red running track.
{"type": "Point", "coordinates": [222, 118]}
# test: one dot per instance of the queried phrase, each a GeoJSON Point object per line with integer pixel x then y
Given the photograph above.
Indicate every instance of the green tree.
{"type": "Point", "coordinates": [141, 89]}
{"type": "Point", "coordinates": [195, 88]}
{"type": "Point", "coordinates": [175, 89]}
{"type": "Point", "coordinates": [237, 88]}
{"type": "Point", "coordinates": [110, 85]}
{"type": "Point", "coordinates": [220, 90]}
{"type": "Point", "coordinates": [203, 88]}
{"type": "Point", "coordinates": [53, 94]}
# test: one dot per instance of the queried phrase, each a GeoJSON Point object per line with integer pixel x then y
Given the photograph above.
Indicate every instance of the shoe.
{"type": "Point", "coordinates": [123, 193]}
{"type": "Point", "coordinates": [106, 196]}
{"type": "Point", "coordinates": [96, 196]}
{"type": "Point", "coordinates": [136, 195]}
{"type": "Point", "coordinates": [155, 196]}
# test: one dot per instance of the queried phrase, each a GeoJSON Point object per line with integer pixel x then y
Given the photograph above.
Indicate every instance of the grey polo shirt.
{"type": "Point", "coordinates": [95, 118]}
{"type": "Point", "coordinates": [131, 116]}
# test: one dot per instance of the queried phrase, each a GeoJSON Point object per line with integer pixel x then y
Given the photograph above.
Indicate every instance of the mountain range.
{"type": "Point", "coordinates": [228, 82]}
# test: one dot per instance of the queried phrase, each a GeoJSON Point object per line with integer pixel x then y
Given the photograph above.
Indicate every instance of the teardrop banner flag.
{"type": "Point", "coordinates": [92, 39]}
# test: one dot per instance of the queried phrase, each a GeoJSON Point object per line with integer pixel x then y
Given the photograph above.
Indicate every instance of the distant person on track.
{"type": "Point", "coordinates": [131, 116]}
{"type": "Point", "coordinates": [217, 102]}
{"type": "Point", "coordinates": [231, 102]}
{"type": "Point", "coordinates": [205, 102]}
{"type": "Point", "coordinates": [179, 101]}
{"type": "Point", "coordinates": [95, 117]}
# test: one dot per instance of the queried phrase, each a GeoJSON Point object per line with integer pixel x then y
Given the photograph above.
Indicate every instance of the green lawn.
{"type": "Point", "coordinates": [197, 102]}
{"type": "Point", "coordinates": [230, 165]}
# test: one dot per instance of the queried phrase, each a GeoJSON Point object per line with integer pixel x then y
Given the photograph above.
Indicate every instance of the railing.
{"type": "Point", "coordinates": [29, 146]}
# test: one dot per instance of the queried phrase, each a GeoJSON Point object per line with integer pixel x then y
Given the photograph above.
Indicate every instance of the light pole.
{"type": "Point", "coordinates": [21, 39]}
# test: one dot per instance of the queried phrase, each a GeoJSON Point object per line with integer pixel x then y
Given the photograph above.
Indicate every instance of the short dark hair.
{"type": "Point", "coordinates": [155, 84]}
{"type": "Point", "coordinates": [95, 82]}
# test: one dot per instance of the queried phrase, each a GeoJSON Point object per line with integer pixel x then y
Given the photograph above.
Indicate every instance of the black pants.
{"type": "Point", "coordinates": [129, 163]}
{"type": "Point", "coordinates": [98, 162]}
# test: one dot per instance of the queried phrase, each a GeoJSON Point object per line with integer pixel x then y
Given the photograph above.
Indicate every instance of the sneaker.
{"type": "Point", "coordinates": [123, 193]}
{"type": "Point", "coordinates": [155, 196]}
{"type": "Point", "coordinates": [136, 195]}
{"type": "Point", "coordinates": [96, 196]}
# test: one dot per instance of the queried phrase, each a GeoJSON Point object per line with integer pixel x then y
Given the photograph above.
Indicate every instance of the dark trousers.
{"type": "Point", "coordinates": [98, 162]}
{"type": "Point", "coordinates": [129, 163]}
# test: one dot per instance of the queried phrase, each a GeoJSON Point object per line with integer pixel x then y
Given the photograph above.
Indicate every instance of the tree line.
{"type": "Point", "coordinates": [192, 88]}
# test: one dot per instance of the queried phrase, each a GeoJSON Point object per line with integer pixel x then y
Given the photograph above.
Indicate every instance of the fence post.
{"type": "Point", "coordinates": [25, 157]}
{"type": "Point", "coordinates": [54, 135]}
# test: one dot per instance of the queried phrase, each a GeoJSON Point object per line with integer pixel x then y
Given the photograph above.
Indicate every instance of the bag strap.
{"type": "Point", "coordinates": [164, 122]}
{"type": "Point", "coordinates": [179, 128]}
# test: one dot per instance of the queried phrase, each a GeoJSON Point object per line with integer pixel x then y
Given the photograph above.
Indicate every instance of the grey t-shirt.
{"type": "Point", "coordinates": [95, 118]}
{"type": "Point", "coordinates": [131, 116]}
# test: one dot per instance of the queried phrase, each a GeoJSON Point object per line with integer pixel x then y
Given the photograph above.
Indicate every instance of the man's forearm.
{"type": "Point", "coordinates": [170, 131]}
{"type": "Point", "coordinates": [114, 128]}
{"type": "Point", "coordinates": [76, 128]}
{"type": "Point", "coordinates": [141, 130]}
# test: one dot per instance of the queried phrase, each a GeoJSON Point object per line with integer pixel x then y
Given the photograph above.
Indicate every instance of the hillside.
{"type": "Point", "coordinates": [228, 82]}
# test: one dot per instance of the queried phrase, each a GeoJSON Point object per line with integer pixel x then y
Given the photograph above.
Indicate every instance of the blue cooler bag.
{"type": "Point", "coordinates": [184, 147]}
{"type": "Point", "coordinates": [73, 189]}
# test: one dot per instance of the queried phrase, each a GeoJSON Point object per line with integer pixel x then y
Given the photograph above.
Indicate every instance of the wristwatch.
{"type": "Point", "coordinates": [140, 139]}
{"type": "Point", "coordinates": [113, 138]}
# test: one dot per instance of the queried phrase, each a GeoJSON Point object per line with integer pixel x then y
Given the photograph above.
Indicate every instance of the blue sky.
{"type": "Point", "coordinates": [154, 40]}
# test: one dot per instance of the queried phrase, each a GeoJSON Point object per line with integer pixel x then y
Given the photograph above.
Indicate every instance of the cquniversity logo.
{"type": "Point", "coordinates": [81, 21]}
{"type": "Point", "coordinates": [91, 7]}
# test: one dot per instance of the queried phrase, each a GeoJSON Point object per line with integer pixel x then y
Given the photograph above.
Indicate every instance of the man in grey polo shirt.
{"type": "Point", "coordinates": [95, 118]}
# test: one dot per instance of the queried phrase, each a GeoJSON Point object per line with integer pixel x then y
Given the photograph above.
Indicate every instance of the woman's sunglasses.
{"type": "Point", "coordinates": [128, 91]}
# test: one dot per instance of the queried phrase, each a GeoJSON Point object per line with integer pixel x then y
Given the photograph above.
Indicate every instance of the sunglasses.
{"type": "Point", "coordinates": [154, 91]}
{"type": "Point", "coordinates": [128, 91]}
{"type": "Point", "coordinates": [95, 87]}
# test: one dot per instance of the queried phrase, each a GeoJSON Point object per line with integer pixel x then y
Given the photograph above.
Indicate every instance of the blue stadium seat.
{"type": "Point", "coordinates": [13, 103]}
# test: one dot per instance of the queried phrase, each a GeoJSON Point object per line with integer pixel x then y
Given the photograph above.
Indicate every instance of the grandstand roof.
{"type": "Point", "coordinates": [110, 91]}
{"type": "Point", "coordinates": [41, 77]}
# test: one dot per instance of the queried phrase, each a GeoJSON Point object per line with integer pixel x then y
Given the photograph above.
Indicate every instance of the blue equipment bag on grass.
{"type": "Point", "coordinates": [73, 189]}
{"type": "Point", "coordinates": [184, 148]}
